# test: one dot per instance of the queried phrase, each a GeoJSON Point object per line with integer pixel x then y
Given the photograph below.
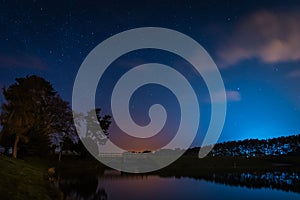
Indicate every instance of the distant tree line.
{"type": "Point", "coordinates": [289, 145]}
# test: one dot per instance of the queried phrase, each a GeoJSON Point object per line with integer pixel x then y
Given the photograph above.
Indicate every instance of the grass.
{"type": "Point", "coordinates": [193, 166]}
{"type": "Point", "coordinates": [25, 180]}
{"type": "Point", "coordinates": [189, 165]}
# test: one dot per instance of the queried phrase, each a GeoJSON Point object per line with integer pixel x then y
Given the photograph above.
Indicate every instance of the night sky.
{"type": "Point", "coordinates": [256, 46]}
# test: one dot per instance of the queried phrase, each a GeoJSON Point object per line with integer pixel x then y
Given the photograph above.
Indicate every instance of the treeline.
{"type": "Point", "coordinates": [285, 145]}
{"type": "Point", "coordinates": [36, 121]}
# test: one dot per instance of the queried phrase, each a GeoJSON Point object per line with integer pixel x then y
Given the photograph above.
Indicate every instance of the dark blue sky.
{"type": "Point", "coordinates": [256, 46]}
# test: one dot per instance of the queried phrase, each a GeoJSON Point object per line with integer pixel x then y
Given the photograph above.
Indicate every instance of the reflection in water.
{"type": "Point", "coordinates": [114, 185]}
{"type": "Point", "coordinates": [82, 188]}
{"type": "Point", "coordinates": [281, 180]}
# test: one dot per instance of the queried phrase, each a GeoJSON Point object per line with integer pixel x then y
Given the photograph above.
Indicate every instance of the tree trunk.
{"type": "Point", "coordinates": [60, 152]}
{"type": "Point", "coordinates": [59, 156]}
{"type": "Point", "coordinates": [15, 151]}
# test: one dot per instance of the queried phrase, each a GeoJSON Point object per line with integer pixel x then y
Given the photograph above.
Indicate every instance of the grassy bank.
{"type": "Point", "coordinates": [25, 180]}
{"type": "Point", "coordinates": [193, 166]}
{"type": "Point", "coordinates": [188, 165]}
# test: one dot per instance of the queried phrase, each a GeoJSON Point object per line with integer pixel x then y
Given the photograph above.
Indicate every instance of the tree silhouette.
{"type": "Point", "coordinates": [34, 113]}
{"type": "Point", "coordinates": [93, 135]}
{"type": "Point", "coordinates": [93, 124]}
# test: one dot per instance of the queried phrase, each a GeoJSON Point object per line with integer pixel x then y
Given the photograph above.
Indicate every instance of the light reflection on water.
{"type": "Point", "coordinates": [114, 185]}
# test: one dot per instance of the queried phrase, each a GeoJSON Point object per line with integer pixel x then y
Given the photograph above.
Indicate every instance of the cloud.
{"type": "Point", "coordinates": [294, 74]}
{"type": "Point", "coordinates": [268, 36]}
{"type": "Point", "coordinates": [22, 61]}
{"type": "Point", "coordinates": [231, 96]}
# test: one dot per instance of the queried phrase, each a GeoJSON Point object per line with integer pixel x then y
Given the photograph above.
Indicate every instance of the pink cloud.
{"type": "Point", "coordinates": [22, 61]}
{"type": "Point", "coordinates": [231, 96]}
{"type": "Point", "coordinates": [271, 37]}
{"type": "Point", "coordinates": [294, 74]}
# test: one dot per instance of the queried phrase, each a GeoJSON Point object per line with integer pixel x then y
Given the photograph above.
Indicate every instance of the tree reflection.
{"type": "Point", "coordinates": [83, 188]}
{"type": "Point", "coordinates": [91, 187]}
{"type": "Point", "coordinates": [282, 180]}
{"type": "Point", "coordinates": [285, 180]}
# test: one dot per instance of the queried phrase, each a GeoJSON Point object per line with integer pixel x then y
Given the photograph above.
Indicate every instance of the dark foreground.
{"type": "Point", "coordinates": [29, 179]}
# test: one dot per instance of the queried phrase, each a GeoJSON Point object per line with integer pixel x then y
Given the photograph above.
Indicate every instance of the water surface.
{"type": "Point", "coordinates": [114, 186]}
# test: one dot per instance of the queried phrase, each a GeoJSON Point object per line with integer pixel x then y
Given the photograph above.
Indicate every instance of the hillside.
{"type": "Point", "coordinates": [21, 180]}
